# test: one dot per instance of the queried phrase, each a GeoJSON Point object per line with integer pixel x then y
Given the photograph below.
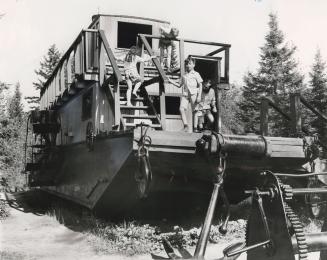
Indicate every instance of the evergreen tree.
{"type": "Point", "coordinates": [47, 65]}
{"type": "Point", "coordinates": [318, 82]}
{"type": "Point", "coordinates": [3, 105]}
{"type": "Point", "coordinates": [276, 77]}
{"type": "Point", "coordinates": [15, 107]}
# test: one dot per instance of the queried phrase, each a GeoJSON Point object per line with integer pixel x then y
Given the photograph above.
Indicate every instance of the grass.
{"type": "Point", "coordinates": [135, 238]}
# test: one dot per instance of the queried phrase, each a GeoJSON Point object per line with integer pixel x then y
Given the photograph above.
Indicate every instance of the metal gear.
{"type": "Point", "coordinates": [287, 191]}
{"type": "Point", "coordinates": [298, 231]}
{"type": "Point", "coordinates": [296, 225]}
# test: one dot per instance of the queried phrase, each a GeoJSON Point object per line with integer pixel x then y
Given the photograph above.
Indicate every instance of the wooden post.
{"type": "Point", "coordinates": [142, 63]}
{"type": "Point", "coordinates": [227, 65]}
{"type": "Point", "coordinates": [181, 57]}
{"type": "Point", "coordinates": [102, 64]}
{"type": "Point", "coordinates": [218, 100]}
{"type": "Point", "coordinates": [117, 103]}
{"type": "Point", "coordinates": [296, 114]}
{"type": "Point", "coordinates": [264, 117]}
{"type": "Point", "coordinates": [162, 95]}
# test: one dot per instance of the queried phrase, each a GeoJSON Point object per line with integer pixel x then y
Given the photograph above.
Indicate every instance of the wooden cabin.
{"type": "Point", "coordinates": [88, 86]}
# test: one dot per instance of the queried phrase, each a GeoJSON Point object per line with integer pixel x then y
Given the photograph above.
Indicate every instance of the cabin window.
{"type": "Point", "coordinates": [207, 67]}
{"type": "Point", "coordinates": [87, 105]}
{"type": "Point", "coordinates": [172, 105]}
{"type": "Point", "coordinates": [127, 33]}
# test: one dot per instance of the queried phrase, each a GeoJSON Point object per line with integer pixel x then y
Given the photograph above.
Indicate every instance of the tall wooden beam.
{"type": "Point", "coordinates": [296, 114]}
{"type": "Point", "coordinates": [181, 57]}
{"type": "Point", "coordinates": [216, 51]}
{"type": "Point", "coordinates": [162, 104]}
{"type": "Point", "coordinates": [111, 56]}
{"type": "Point", "coordinates": [155, 60]}
{"type": "Point", "coordinates": [218, 100]}
{"type": "Point", "coordinates": [117, 103]}
{"type": "Point", "coordinates": [264, 114]}
{"type": "Point", "coordinates": [227, 65]}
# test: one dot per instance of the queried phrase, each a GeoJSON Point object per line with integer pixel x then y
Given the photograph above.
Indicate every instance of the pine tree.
{"type": "Point", "coordinates": [15, 107]}
{"type": "Point", "coordinates": [47, 65]}
{"type": "Point", "coordinates": [318, 82]}
{"type": "Point", "coordinates": [3, 105]}
{"type": "Point", "coordinates": [276, 77]}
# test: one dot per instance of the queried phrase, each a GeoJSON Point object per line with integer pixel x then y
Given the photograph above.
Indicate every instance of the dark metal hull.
{"type": "Point", "coordinates": [103, 179]}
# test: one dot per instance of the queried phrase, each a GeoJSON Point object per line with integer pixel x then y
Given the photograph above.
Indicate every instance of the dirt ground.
{"type": "Point", "coordinates": [29, 235]}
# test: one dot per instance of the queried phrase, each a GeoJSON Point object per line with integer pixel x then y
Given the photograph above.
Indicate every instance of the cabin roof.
{"type": "Point", "coordinates": [96, 16]}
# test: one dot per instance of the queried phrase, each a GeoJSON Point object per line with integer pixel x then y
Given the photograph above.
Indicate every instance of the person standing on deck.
{"type": "Point", "coordinates": [169, 46]}
{"type": "Point", "coordinates": [191, 83]}
{"type": "Point", "coordinates": [132, 76]}
{"type": "Point", "coordinates": [204, 108]}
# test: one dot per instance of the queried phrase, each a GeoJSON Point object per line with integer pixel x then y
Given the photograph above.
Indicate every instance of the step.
{"type": "Point", "coordinates": [139, 116]}
{"type": "Point", "coordinates": [38, 146]}
{"type": "Point", "coordinates": [134, 107]}
{"type": "Point", "coordinates": [132, 99]}
{"type": "Point", "coordinates": [32, 167]}
{"type": "Point", "coordinates": [46, 128]}
{"type": "Point", "coordinates": [151, 125]}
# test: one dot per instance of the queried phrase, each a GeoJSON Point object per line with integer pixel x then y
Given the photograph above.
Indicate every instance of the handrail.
{"type": "Point", "coordinates": [295, 116]}
{"type": "Point", "coordinates": [111, 56]}
{"type": "Point", "coordinates": [312, 109]}
{"type": "Point", "coordinates": [223, 47]}
{"type": "Point", "coordinates": [274, 105]}
{"type": "Point", "coordinates": [65, 56]}
{"type": "Point", "coordinates": [189, 40]}
{"type": "Point", "coordinates": [156, 62]}
{"type": "Point", "coordinates": [265, 103]}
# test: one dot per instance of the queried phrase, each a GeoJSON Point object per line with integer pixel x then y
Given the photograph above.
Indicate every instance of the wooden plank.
{"type": "Point", "coordinates": [162, 104]}
{"type": "Point", "coordinates": [314, 110]}
{"type": "Point", "coordinates": [143, 116]}
{"type": "Point", "coordinates": [110, 55]}
{"type": "Point", "coordinates": [117, 104]}
{"type": "Point", "coordinates": [87, 51]}
{"type": "Point", "coordinates": [190, 41]}
{"type": "Point", "coordinates": [57, 85]}
{"type": "Point", "coordinates": [285, 148]}
{"type": "Point", "coordinates": [278, 109]}
{"type": "Point", "coordinates": [218, 101]}
{"type": "Point", "coordinates": [142, 64]}
{"type": "Point", "coordinates": [264, 117]}
{"type": "Point", "coordinates": [227, 65]}
{"type": "Point", "coordinates": [165, 138]}
{"type": "Point", "coordinates": [78, 59]}
{"type": "Point", "coordinates": [62, 78]}
{"type": "Point", "coordinates": [296, 124]}
{"type": "Point", "coordinates": [182, 57]}
{"type": "Point", "coordinates": [156, 60]}
{"type": "Point", "coordinates": [216, 51]}
{"type": "Point", "coordinates": [102, 67]}
{"type": "Point", "coordinates": [69, 72]}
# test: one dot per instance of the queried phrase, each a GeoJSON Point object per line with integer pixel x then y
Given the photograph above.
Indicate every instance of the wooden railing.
{"type": "Point", "coordinates": [86, 56]}
{"type": "Point", "coordinates": [75, 62]}
{"type": "Point", "coordinates": [296, 99]}
{"type": "Point", "coordinates": [163, 80]}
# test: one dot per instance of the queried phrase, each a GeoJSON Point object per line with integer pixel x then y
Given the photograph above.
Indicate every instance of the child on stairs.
{"type": "Point", "coordinates": [131, 74]}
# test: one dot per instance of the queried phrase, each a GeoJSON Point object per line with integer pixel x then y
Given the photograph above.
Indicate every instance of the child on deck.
{"type": "Point", "coordinates": [192, 89]}
{"type": "Point", "coordinates": [131, 74]}
{"type": "Point", "coordinates": [168, 45]}
{"type": "Point", "coordinates": [203, 108]}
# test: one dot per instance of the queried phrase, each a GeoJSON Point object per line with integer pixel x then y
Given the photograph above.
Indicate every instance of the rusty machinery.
{"type": "Point", "coordinates": [274, 231]}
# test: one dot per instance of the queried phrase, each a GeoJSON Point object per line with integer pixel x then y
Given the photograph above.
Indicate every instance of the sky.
{"type": "Point", "coordinates": [29, 27]}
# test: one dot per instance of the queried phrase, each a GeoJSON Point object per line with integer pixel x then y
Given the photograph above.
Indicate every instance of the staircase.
{"type": "Point", "coordinates": [142, 110]}
{"type": "Point", "coordinates": [42, 161]}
